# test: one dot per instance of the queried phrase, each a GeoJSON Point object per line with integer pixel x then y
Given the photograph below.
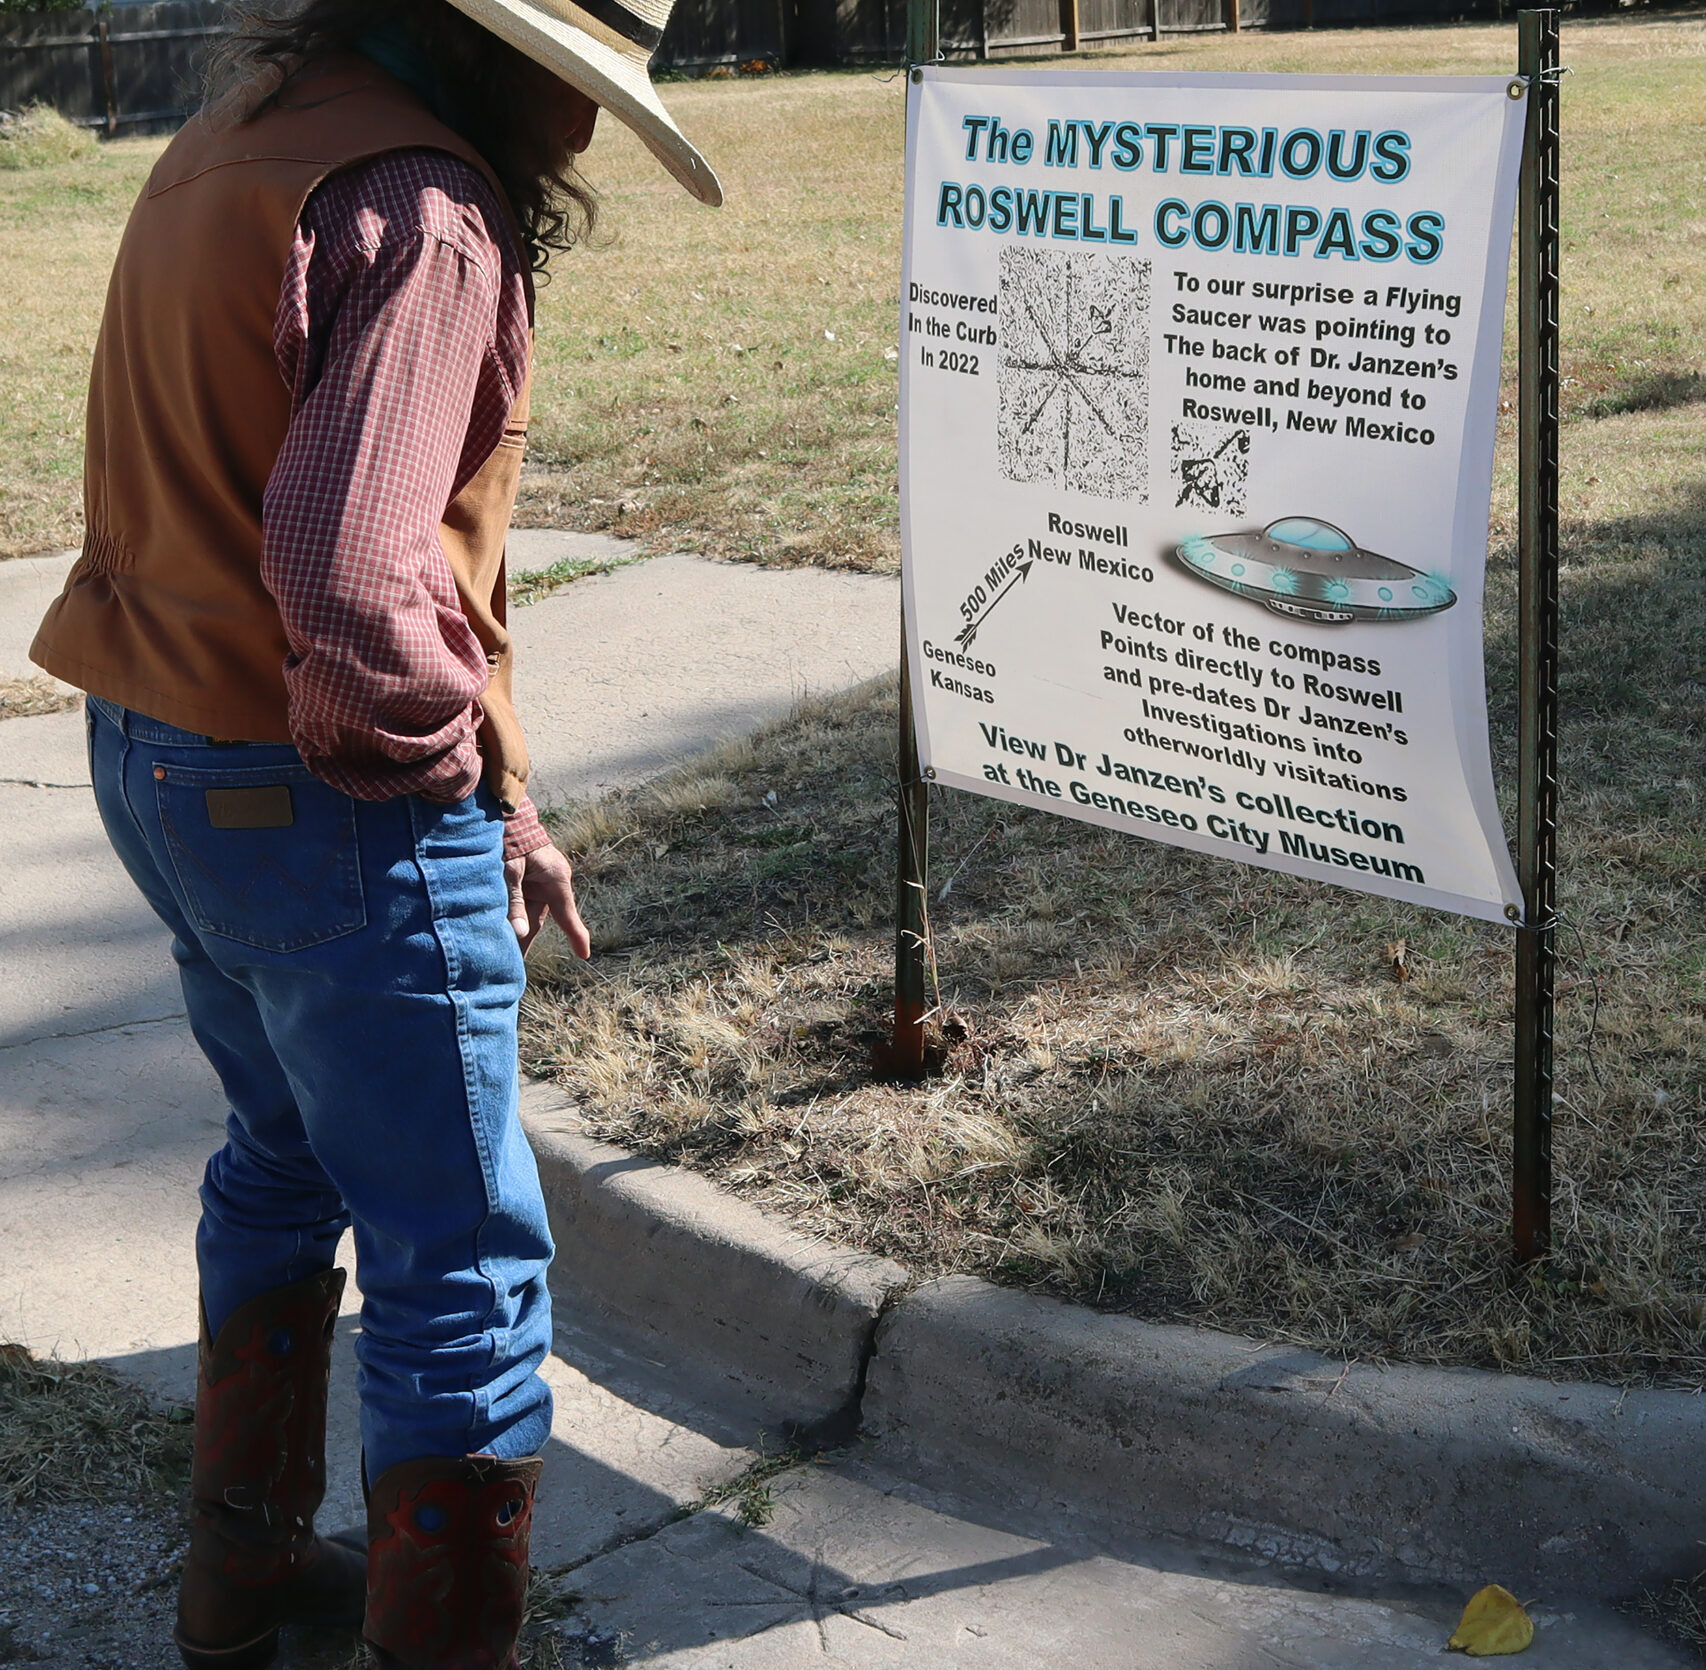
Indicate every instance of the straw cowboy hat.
{"type": "Point", "coordinates": [603, 48]}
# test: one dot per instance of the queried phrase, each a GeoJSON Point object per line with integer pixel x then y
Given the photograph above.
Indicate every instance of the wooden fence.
{"type": "Point", "coordinates": [133, 68]}
{"type": "Point", "coordinates": [136, 68]}
{"type": "Point", "coordinates": [129, 69]}
{"type": "Point", "coordinates": [855, 31]}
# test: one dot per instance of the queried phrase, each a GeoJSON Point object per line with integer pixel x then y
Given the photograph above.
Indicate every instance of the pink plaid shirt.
{"type": "Point", "coordinates": [402, 331]}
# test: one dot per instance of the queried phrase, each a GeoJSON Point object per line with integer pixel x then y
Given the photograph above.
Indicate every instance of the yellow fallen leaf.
{"type": "Point", "coordinates": [1493, 1623]}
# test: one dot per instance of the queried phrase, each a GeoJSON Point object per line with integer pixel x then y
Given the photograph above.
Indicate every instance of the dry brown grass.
{"type": "Point", "coordinates": [75, 1432]}
{"type": "Point", "coordinates": [1679, 1609]}
{"type": "Point", "coordinates": [24, 698]}
{"type": "Point", "coordinates": [39, 137]}
{"type": "Point", "coordinates": [1190, 1089]}
{"type": "Point", "coordinates": [1186, 1089]}
{"type": "Point", "coordinates": [691, 394]}
{"type": "Point", "coordinates": [59, 230]}
{"type": "Point", "coordinates": [726, 382]}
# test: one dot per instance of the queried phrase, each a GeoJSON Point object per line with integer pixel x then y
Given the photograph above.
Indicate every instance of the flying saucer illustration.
{"type": "Point", "coordinates": [1309, 569]}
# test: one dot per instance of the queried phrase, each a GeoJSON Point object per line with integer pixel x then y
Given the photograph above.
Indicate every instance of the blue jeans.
{"type": "Point", "coordinates": [350, 972]}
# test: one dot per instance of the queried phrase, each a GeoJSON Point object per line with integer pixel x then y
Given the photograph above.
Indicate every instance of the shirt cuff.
{"type": "Point", "coordinates": [370, 774]}
{"type": "Point", "coordinates": [523, 832]}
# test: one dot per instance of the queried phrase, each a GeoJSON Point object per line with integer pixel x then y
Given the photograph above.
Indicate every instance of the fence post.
{"type": "Point", "coordinates": [1155, 20]}
{"type": "Point", "coordinates": [109, 85]}
{"type": "Point", "coordinates": [1069, 25]}
{"type": "Point", "coordinates": [1234, 23]}
{"type": "Point", "coordinates": [1537, 643]}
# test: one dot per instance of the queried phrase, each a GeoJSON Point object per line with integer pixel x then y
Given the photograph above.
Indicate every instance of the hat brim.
{"type": "Point", "coordinates": [608, 77]}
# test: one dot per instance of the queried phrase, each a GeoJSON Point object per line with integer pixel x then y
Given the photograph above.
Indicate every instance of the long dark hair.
{"type": "Point", "coordinates": [501, 97]}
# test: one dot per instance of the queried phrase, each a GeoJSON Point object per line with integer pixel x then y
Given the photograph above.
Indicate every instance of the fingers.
{"type": "Point", "coordinates": [526, 931]}
{"type": "Point", "coordinates": [515, 876]}
{"type": "Point", "coordinates": [541, 885]}
{"type": "Point", "coordinates": [569, 920]}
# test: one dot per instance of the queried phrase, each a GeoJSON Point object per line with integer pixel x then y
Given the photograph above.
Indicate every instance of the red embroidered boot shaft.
{"type": "Point", "coordinates": [447, 1562]}
{"type": "Point", "coordinates": [258, 1479]}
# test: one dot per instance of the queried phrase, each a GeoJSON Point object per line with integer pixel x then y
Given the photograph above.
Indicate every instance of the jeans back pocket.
{"type": "Point", "coordinates": [264, 855]}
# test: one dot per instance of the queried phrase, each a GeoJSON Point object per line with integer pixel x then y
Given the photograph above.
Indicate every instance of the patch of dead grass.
{"type": "Point", "coordinates": [1185, 1089]}
{"type": "Point", "coordinates": [1195, 1090]}
{"type": "Point", "coordinates": [75, 1432]}
{"type": "Point", "coordinates": [25, 698]}
{"type": "Point", "coordinates": [39, 137]}
{"type": "Point", "coordinates": [1679, 1609]}
{"type": "Point", "coordinates": [725, 381]}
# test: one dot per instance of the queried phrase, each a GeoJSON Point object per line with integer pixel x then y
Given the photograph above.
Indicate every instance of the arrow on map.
{"type": "Point", "coordinates": [966, 633]}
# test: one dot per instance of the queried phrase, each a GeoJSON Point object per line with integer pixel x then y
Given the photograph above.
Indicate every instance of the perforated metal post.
{"type": "Point", "coordinates": [911, 867]}
{"type": "Point", "coordinates": [911, 951]}
{"type": "Point", "coordinates": [923, 32]}
{"type": "Point", "coordinates": [1537, 610]}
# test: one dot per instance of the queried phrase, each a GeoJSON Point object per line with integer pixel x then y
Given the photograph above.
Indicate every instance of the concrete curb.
{"type": "Point", "coordinates": [1378, 1473]}
{"type": "Point", "coordinates": [681, 1268]}
{"type": "Point", "coordinates": [1381, 1473]}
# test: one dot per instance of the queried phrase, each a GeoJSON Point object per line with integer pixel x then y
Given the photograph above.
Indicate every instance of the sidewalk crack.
{"type": "Point", "coordinates": [94, 1031]}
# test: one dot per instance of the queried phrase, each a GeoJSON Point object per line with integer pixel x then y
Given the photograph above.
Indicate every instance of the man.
{"type": "Point", "coordinates": [306, 419]}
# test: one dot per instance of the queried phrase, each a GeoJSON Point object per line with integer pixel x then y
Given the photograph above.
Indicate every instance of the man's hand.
{"type": "Point", "coordinates": [542, 884]}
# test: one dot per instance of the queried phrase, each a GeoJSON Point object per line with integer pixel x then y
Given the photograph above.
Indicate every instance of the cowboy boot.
{"type": "Point", "coordinates": [257, 1480]}
{"type": "Point", "coordinates": [447, 1562]}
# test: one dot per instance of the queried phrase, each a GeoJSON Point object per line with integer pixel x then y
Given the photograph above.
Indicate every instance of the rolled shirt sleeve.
{"type": "Point", "coordinates": [402, 331]}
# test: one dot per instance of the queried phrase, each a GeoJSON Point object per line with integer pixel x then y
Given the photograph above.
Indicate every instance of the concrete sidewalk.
{"type": "Point", "coordinates": [858, 1567]}
{"type": "Point", "coordinates": [107, 1110]}
{"type": "Point", "coordinates": [107, 1113]}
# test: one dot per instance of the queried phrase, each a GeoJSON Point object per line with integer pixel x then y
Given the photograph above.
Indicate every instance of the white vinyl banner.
{"type": "Point", "coordinates": [1198, 382]}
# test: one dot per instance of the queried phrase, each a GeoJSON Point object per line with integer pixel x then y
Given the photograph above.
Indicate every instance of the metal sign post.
{"type": "Point", "coordinates": [911, 947]}
{"type": "Point", "coordinates": [1537, 609]}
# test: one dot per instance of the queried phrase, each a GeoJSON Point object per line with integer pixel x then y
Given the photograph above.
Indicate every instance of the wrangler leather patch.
{"type": "Point", "coordinates": [267, 806]}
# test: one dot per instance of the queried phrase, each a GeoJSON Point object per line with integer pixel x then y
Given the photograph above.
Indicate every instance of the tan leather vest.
{"type": "Point", "coordinates": [165, 611]}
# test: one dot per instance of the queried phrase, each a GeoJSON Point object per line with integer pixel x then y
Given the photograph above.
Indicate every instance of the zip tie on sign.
{"type": "Point", "coordinates": [924, 63]}
{"type": "Point", "coordinates": [1519, 84]}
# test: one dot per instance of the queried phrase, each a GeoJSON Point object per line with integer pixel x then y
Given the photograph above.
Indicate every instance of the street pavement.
{"type": "Point", "coordinates": [107, 1113]}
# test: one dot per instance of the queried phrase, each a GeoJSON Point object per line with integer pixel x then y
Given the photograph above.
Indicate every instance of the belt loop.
{"type": "Point", "coordinates": [116, 716]}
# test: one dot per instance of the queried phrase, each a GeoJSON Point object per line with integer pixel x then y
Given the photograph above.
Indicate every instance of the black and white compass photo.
{"type": "Point", "coordinates": [1074, 371]}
